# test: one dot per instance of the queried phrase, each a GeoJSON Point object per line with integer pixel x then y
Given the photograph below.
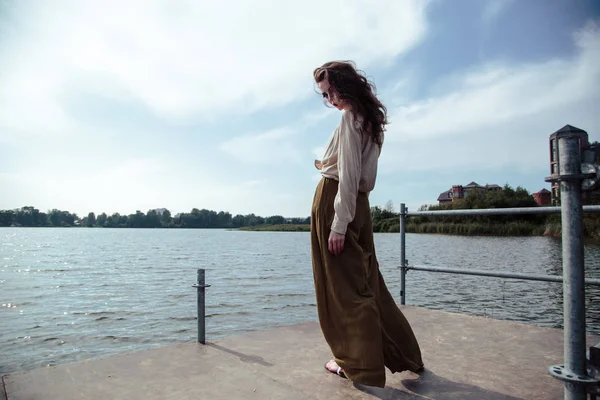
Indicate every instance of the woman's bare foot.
{"type": "Point", "coordinates": [334, 368]}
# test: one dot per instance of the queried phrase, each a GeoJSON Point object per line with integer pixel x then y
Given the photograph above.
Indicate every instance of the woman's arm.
{"type": "Point", "coordinates": [349, 170]}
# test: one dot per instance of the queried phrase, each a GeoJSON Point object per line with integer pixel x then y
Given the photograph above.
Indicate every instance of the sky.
{"type": "Point", "coordinates": [122, 106]}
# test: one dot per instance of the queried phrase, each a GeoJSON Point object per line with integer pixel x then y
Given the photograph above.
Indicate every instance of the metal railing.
{"type": "Point", "coordinates": [497, 211]}
{"type": "Point", "coordinates": [507, 275]}
{"type": "Point", "coordinates": [404, 213]}
{"type": "Point", "coordinates": [573, 373]}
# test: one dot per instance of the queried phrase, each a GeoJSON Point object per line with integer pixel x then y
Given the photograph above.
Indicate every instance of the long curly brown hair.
{"type": "Point", "coordinates": [356, 90]}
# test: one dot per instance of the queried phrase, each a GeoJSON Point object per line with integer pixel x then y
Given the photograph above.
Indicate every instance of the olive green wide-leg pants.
{"type": "Point", "coordinates": [360, 320]}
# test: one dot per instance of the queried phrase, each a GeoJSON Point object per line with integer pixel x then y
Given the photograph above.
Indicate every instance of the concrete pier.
{"type": "Point", "coordinates": [465, 357]}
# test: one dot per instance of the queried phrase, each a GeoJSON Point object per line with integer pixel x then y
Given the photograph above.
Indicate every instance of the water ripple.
{"type": "Point", "coordinates": [87, 293]}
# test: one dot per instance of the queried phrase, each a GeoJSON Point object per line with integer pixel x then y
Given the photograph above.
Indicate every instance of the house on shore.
{"type": "Point", "coordinates": [543, 197]}
{"type": "Point", "coordinates": [458, 192]}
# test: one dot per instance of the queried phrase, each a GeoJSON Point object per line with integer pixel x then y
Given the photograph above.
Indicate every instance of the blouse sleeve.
{"type": "Point", "coordinates": [349, 171]}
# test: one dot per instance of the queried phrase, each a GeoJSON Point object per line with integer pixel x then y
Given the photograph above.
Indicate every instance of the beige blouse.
{"type": "Point", "coordinates": [351, 159]}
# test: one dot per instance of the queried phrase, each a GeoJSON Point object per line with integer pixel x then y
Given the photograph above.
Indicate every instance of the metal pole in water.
{"type": "Point", "coordinates": [201, 307]}
{"type": "Point", "coordinates": [403, 254]}
{"type": "Point", "coordinates": [201, 286]}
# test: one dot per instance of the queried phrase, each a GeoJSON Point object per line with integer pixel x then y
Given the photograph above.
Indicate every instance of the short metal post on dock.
{"type": "Point", "coordinates": [201, 286]}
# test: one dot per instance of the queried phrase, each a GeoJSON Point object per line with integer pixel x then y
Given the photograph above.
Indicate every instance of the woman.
{"type": "Point", "coordinates": [360, 320]}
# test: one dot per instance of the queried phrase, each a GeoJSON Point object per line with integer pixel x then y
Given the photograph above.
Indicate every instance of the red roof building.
{"type": "Point", "coordinates": [543, 197]}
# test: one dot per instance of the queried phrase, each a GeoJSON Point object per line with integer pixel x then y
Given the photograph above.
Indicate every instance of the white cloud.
{"type": "Point", "coordinates": [85, 189]}
{"type": "Point", "coordinates": [498, 115]}
{"type": "Point", "coordinates": [274, 146]}
{"type": "Point", "coordinates": [138, 184]}
{"type": "Point", "coordinates": [494, 8]}
{"type": "Point", "coordinates": [403, 90]}
{"type": "Point", "coordinates": [186, 60]}
{"type": "Point", "coordinates": [251, 184]}
{"type": "Point", "coordinates": [318, 152]}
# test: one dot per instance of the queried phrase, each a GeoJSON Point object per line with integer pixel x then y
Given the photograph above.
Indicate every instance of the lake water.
{"type": "Point", "coordinates": [73, 294]}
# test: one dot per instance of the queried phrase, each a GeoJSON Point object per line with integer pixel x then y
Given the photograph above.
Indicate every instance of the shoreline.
{"type": "Point", "coordinates": [545, 231]}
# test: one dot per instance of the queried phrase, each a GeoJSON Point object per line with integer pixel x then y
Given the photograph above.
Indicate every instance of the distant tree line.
{"type": "Point", "coordinates": [31, 216]}
{"type": "Point", "coordinates": [159, 218]}
{"type": "Point", "coordinates": [385, 219]}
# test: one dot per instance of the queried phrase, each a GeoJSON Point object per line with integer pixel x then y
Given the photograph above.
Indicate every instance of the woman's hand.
{"type": "Point", "coordinates": [336, 243]}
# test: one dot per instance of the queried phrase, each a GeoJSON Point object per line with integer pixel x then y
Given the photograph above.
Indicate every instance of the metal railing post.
{"type": "Point", "coordinates": [403, 263]}
{"type": "Point", "coordinates": [573, 265]}
{"type": "Point", "coordinates": [570, 176]}
{"type": "Point", "coordinates": [201, 286]}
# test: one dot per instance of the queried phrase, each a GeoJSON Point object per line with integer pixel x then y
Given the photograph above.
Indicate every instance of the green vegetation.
{"type": "Point", "coordinates": [30, 216]}
{"type": "Point", "coordinates": [278, 228]}
{"type": "Point", "coordinates": [161, 218]}
{"type": "Point", "coordinates": [591, 226]}
{"type": "Point", "coordinates": [385, 219]}
{"type": "Point", "coordinates": [501, 225]}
